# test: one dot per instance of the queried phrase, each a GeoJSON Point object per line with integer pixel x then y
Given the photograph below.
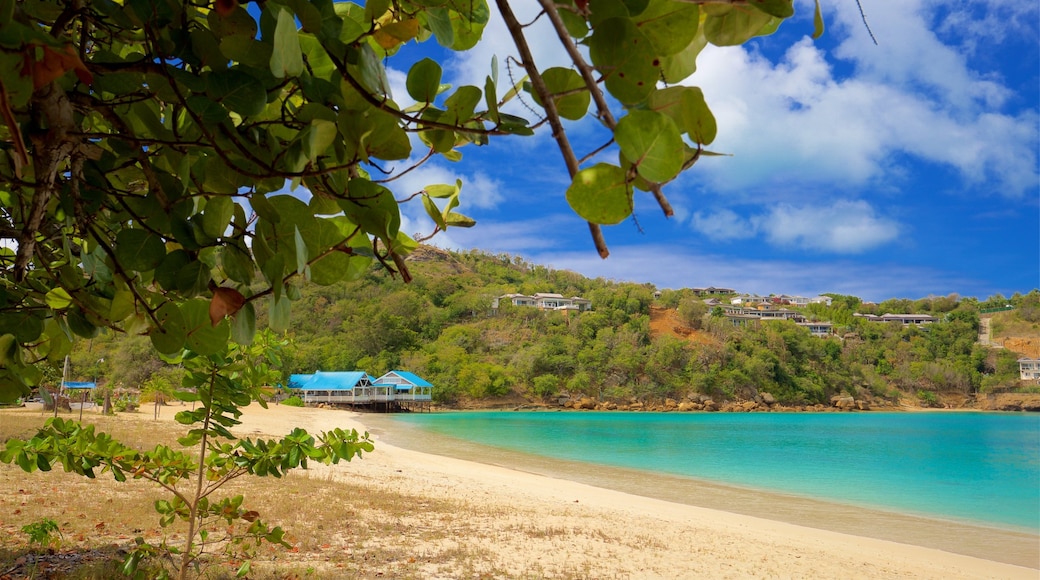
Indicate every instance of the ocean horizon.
{"type": "Point", "coordinates": [971, 468]}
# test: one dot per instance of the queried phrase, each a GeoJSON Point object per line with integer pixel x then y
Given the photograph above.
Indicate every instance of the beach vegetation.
{"type": "Point", "coordinates": [292, 401]}
{"type": "Point", "coordinates": [203, 461]}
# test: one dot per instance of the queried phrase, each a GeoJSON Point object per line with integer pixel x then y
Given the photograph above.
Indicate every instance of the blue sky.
{"type": "Point", "coordinates": [904, 169]}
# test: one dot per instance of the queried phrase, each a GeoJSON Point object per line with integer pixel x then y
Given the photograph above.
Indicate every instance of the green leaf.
{"type": "Point", "coordinates": [778, 8]}
{"type": "Point", "coordinates": [817, 21]}
{"type": "Point", "coordinates": [698, 120]}
{"type": "Point", "coordinates": [243, 325]}
{"type": "Point", "coordinates": [372, 207]}
{"type": "Point", "coordinates": [669, 26]}
{"type": "Point", "coordinates": [434, 212]}
{"type": "Point", "coordinates": [651, 141]}
{"type": "Point", "coordinates": [600, 194]}
{"type": "Point", "coordinates": [281, 311]}
{"type": "Point", "coordinates": [202, 336]}
{"type": "Point", "coordinates": [736, 26]}
{"type": "Point", "coordinates": [301, 251]}
{"type": "Point", "coordinates": [170, 334]}
{"type": "Point", "coordinates": [443, 190]}
{"type": "Point", "coordinates": [463, 102]}
{"type": "Point", "coordinates": [467, 23]}
{"type": "Point", "coordinates": [348, 261]}
{"type": "Point", "coordinates": [457, 220]}
{"type": "Point", "coordinates": [217, 216]}
{"type": "Point", "coordinates": [237, 90]}
{"type": "Point", "coordinates": [438, 20]}
{"type": "Point", "coordinates": [573, 105]}
{"type": "Point", "coordinates": [625, 58]}
{"type": "Point", "coordinates": [139, 250]}
{"type": "Point", "coordinates": [287, 57]}
{"type": "Point", "coordinates": [58, 298]}
{"type": "Point", "coordinates": [424, 80]}
{"type": "Point", "coordinates": [209, 111]}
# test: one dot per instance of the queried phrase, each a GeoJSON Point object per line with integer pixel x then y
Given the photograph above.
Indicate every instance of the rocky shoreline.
{"type": "Point", "coordinates": [764, 403]}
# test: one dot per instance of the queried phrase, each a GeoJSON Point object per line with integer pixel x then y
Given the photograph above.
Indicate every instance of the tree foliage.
{"type": "Point", "coordinates": [149, 145]}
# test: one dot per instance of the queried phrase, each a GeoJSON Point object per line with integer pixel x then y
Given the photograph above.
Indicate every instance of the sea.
{"type": "Point", "coordinates": [967, 482]}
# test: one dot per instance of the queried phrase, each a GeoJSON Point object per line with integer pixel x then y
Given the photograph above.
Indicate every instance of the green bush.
{"type": "Point", "coordinates": [293, 401]}
{"type": "Point", "coordinates": [928, 398]}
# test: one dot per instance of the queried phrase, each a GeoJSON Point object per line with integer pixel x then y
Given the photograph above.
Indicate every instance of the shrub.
{"type": "Point", "coordinates": [293, 401]}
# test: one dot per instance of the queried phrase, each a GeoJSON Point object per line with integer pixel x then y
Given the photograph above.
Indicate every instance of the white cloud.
{"type": "Point", "coordinates": [723, 224]}
{"type": "Point", "coordinates": [799, 122]}
{"type": "Point", "coordinates": [516, 237]}
{"type": "Point", "coordinates": [846, 227]}
{"type": "Point", "coordinates": [672, 267]}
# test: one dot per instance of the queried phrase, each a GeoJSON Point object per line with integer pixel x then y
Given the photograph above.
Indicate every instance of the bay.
{"type": "Point", "coordinates": [974, 468]}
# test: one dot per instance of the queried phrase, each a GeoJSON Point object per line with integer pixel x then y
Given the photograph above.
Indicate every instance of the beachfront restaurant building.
{"type": "Point", "coordinates": [394, 390]}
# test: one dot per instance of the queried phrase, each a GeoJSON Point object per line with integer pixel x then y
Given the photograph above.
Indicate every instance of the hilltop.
{"type": "Point", "coordinates": [637, 348]}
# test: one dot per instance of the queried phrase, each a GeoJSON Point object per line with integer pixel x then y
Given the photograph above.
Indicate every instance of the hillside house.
{"type": "Point", "coordinates": [908, 319]}
{"type": "Point", "coordinates": [1029, 369]}
{"type": "Point", "coordinates": [713, 291]}
{"type": "Point", "coordinates": [818, 329]}
{"type": "Point", "coordinates": [544, 301]}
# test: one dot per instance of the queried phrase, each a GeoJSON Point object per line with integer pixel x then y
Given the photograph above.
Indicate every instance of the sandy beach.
{"type": "Point", "coordinates": [605, 533]}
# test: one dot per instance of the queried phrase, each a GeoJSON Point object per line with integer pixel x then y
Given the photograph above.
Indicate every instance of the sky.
{"type": "Point", "coordinates": [903, 169]}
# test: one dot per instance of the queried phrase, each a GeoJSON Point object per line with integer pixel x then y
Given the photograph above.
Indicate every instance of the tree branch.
{"type": "Point", "coordinates": [538, 83]}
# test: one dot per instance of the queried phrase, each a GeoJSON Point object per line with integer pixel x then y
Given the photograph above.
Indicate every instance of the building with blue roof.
{"type": "Point", "coordinates": [394, 390]}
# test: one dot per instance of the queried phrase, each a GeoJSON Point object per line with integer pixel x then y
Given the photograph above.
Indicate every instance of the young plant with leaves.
{"type": "Point", "coordinates": [208, 457]}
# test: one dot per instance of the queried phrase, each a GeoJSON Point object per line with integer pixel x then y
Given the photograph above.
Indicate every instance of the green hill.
{"type": "Point", "coordinates": [442, 327]}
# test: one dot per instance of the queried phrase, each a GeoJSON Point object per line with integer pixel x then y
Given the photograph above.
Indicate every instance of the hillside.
{"type": "Point", "coordinates": [633, 349]}
{"type": "Point", "coordinates": [666, 322]}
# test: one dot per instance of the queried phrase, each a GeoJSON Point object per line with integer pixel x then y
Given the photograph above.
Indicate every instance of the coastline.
{"type": "Point", "coordinates": [695, 532]}
{"type": "Point", "coordinates": [1005, 544]}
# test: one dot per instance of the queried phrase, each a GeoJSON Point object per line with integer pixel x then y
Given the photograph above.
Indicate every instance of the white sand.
{"type": "Point", "coordinates": [576, 529]}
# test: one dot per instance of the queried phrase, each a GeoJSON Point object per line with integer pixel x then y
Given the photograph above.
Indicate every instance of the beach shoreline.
{"type": "Point", "coordinates": [722, 540]}
{"type": "Point", "coordinates": [491, 515]}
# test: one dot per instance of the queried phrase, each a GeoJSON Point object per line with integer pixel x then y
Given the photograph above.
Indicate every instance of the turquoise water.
{"type": "Point", "coordinates": [978, 467]}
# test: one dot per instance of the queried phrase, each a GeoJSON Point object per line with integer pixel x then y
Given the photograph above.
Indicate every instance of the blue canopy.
{"type": "Point", "coordinates": [79, 385]}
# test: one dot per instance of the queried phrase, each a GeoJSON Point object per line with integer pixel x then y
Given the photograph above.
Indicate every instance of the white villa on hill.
{"type": "Point", "coordinates": [544, 301]}
{"type": "Point", "coordinates": [904, 319]}
{"type": "Point", "coordinates": [1029, 369]}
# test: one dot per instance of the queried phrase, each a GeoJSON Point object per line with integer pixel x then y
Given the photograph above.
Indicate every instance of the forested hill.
{"type": "Point", "coordinates": [442, 327]}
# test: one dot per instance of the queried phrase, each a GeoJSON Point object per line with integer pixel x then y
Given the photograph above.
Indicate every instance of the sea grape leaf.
{"type": "Point", "coordinates": [139, 250]}
{"type": "Point", "coordinates": [424, 80]}
{"type": "Point", "coordinates": [600, 194]}
{"type": "Point", "coordinates": [203, 337]}
{"type": "Point", "coordinates": [170, 334]}
{"type": "Point", "coordinates": [287, 57]}
{"type": "Point", "coordinates": [651, 141]}
{"type": "Point", "coordinates": [670, 26]}
{"type": "Point", "coordinates": [625, 58]}
{"type": "Point", "coordinates": [573, 105]}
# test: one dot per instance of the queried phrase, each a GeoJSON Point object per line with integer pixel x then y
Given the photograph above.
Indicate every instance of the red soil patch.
{"type": "Point", "coordinates": [665, 321]}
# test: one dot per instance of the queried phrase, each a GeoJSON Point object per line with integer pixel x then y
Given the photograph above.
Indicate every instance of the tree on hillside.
{"type": "Point", "coordinates": [148, 146]}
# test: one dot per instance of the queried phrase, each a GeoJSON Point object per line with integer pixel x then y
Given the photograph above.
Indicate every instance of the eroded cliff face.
{"type": "Point", "coordinates": [1025, 346]}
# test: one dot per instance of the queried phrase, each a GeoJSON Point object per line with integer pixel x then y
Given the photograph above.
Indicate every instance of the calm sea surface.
{"type": "Point", "coordinates": [973, 467]}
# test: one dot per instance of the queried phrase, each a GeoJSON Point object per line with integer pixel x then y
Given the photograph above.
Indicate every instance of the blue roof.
{"type": "Point", "coordinates": [330, 381]}
{"type": "Point", "coordinates": [298, 381]}
{"type": "Point", "coordinates": [79, 385]}
{"type": "Point", "coordinates": [412, 378]}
